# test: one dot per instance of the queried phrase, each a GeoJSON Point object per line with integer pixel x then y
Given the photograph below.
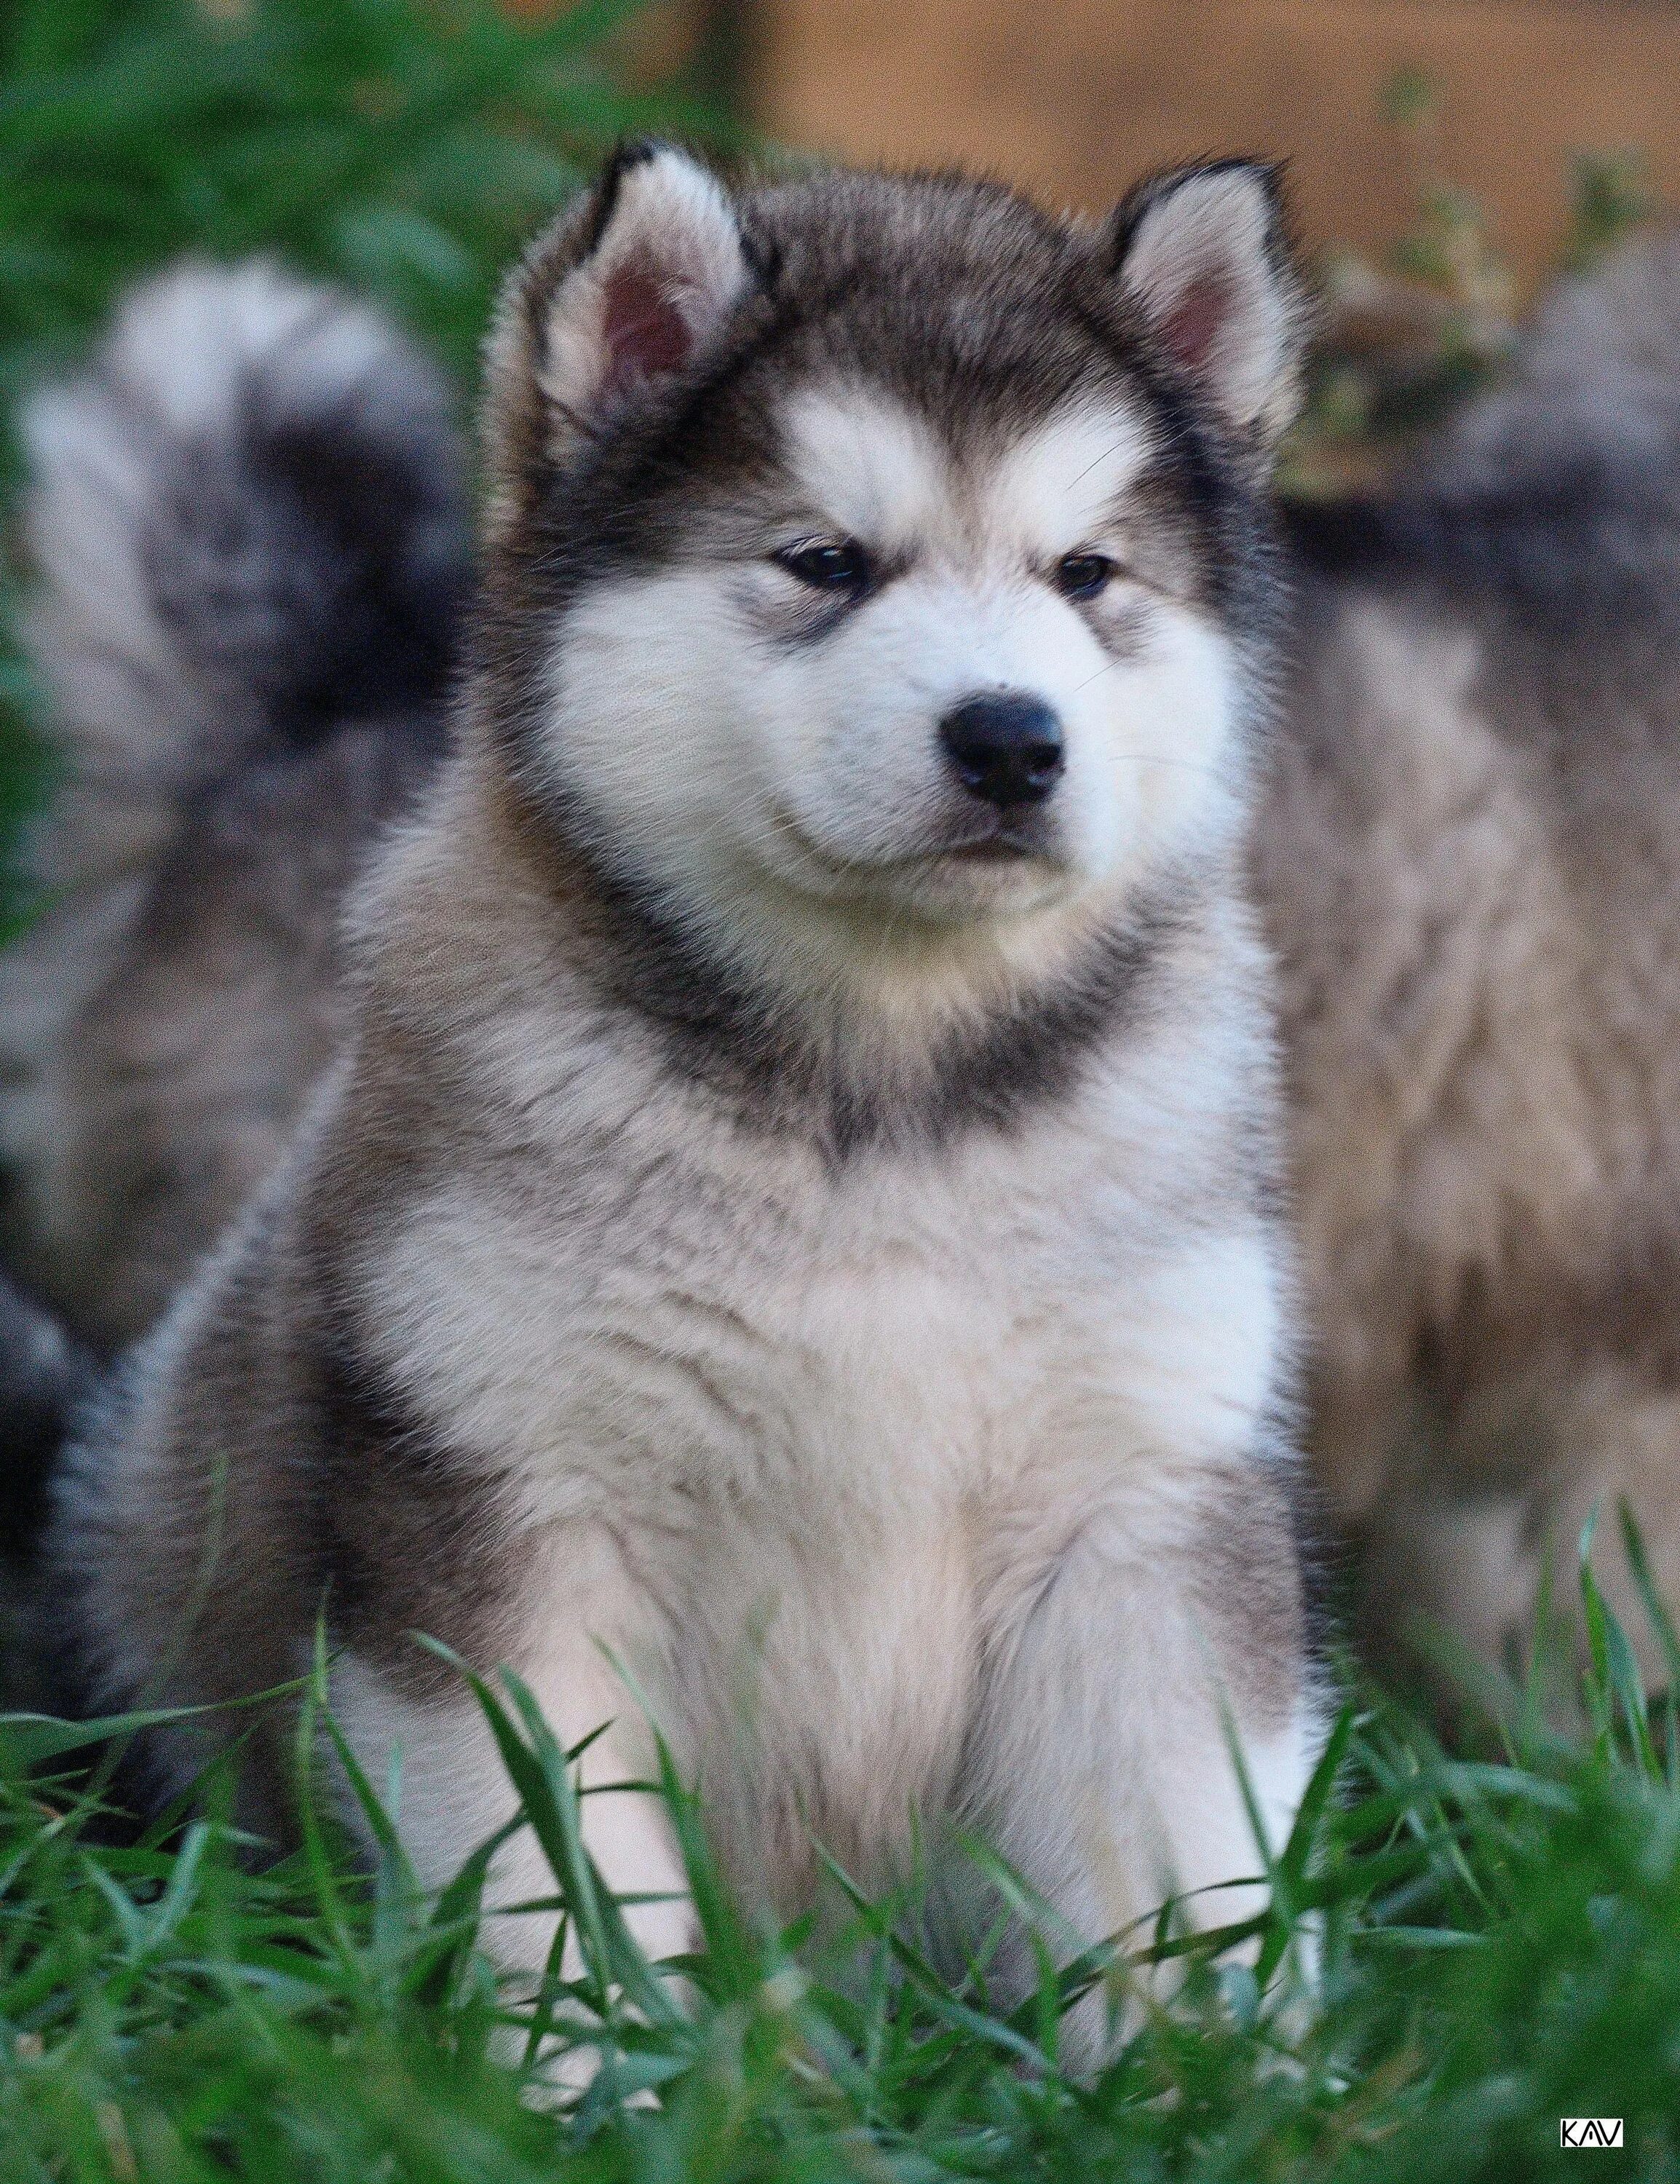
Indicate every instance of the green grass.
{"type": "Point", "coordinates": [406, 147]}
{"type": "Point", "coordinates": [1498, 1941]}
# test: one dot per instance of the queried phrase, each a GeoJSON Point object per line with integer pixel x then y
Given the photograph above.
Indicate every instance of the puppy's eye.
{"type": "Point", "coordinates": [828, 564]}
{"type": "Point", "coordinates": [1083, 575]}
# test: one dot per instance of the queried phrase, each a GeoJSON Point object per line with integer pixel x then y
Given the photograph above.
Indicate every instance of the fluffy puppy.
{"type": "Point", "coordinates": [797, 1209]}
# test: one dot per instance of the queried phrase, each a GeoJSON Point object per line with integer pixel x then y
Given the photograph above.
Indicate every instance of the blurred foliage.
{"type": "Point", "coordinates": [1411, 332]}
{"type": "Point", "coordinates": [406, 146]}
{"type": "Point", "coordinates": [1610, 196]}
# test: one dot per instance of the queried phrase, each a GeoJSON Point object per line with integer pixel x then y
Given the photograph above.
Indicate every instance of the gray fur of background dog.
{"type": "Point", "coordinates": [799, 1202]}
{"type": "Point", "coordinates": [1470, 857]}
{"type": "Point", "coordinates": [248, 532]}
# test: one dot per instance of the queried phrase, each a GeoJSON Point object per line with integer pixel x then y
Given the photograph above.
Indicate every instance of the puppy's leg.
{"type": "Point", "coordinates": [1100, 1762]}
{"type": "Point", "coordinates": [456, 1791]}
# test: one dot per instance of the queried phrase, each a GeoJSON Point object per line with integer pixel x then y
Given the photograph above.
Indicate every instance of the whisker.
{"type": "Point", "coordinates": [1155, 758]}
{"type": "Point", "coordinates": [1096, 462]}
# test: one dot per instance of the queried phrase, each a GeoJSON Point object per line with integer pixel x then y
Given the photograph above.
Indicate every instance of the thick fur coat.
{"type": "Point", "coordinates": [247, 528]}
{"type": "Point", "coordinates": [796, 1212]}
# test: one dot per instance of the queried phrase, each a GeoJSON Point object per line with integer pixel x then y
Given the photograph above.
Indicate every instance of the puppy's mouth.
{"type": "Point", "coordinates": [997, 842]}
{"type": "Point", "coordinates": [1008, 845]}
{"type": "Point", "coordinates": [1001, 848]}
{"type": "Point", "coordinates": [997, 837]}
{"type": "Point", "coordinates": [967, 864]}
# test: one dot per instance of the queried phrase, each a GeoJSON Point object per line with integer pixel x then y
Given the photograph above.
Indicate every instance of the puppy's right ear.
{"type": "Point", "coordinates": [627, 292]}
{"type": "Point", "coordinates": [1203, 252]}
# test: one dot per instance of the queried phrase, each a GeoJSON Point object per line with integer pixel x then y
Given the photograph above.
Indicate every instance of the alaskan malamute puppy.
{"type": "Point", "coordinates": [798, 1210]}
{"type": "Point", "coordinates": [251, 545]}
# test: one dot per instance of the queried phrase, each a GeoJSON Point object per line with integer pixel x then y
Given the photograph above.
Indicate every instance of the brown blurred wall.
{"type": "Point", "coordinates": [1075, 97]}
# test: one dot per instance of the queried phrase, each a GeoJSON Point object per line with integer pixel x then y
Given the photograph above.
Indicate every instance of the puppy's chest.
{"type": "Point", "coordinates": [727, 1337]}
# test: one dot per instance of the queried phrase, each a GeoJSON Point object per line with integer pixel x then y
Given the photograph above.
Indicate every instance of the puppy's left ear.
{"type": "Point", "coordinates": [1203, 253]}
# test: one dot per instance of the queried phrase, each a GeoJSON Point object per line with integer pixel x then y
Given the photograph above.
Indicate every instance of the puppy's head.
{"type": "Point", "coordinates": [875, 561]}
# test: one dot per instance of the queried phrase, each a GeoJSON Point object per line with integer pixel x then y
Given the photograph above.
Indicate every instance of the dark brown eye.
{"type": "Point", "coordinates": [1083, 575]}
{"type": "Point", "coordinates": [828, 564]}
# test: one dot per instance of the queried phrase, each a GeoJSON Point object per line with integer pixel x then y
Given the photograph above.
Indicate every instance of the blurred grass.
{"type": "Point", "coordinates": [406, 147]}
{"type": "Point", "coordinates": [1458, 1952]}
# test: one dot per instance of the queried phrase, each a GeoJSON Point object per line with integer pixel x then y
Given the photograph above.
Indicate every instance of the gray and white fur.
{"type": "Point", "coordinates": [797, 1210]}
{"type": "Point", "coordinates": [248, 535]}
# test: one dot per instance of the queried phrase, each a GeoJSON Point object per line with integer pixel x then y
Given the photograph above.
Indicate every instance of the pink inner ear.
{"type": "Point", "coordinates": [1191, 327]}
{"type": "Point", "coordinates": [646, 334]}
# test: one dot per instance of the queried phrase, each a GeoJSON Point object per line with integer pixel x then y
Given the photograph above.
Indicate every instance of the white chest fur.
{"type": "Point", "coordinates": [731, 1319]}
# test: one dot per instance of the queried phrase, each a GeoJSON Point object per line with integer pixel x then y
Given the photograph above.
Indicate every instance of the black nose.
{"type": "Point", "coordinates": [1006, 746]}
